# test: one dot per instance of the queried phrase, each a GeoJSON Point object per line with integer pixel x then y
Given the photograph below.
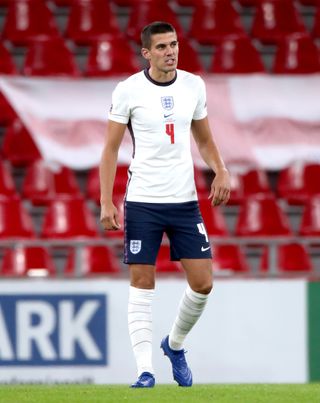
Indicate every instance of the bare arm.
{"type": "Point", "coordinates": [220, 187]}
{"type": "Point", "coordinates": [108, 166]}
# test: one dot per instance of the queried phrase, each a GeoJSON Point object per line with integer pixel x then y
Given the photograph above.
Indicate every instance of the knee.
{"type": "Point", "coordinates": [204, 288]}
{"type": "Point", "coordinates": [143, 283]}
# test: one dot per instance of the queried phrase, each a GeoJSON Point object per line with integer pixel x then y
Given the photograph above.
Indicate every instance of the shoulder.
{"type": "Point", "coordinates": [130, 82]}
{"type": "Point", "coordinates": [189, 78]}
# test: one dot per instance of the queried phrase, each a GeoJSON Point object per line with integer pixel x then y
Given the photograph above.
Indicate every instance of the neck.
{"type": "Point", "coordinates": [162, 76]}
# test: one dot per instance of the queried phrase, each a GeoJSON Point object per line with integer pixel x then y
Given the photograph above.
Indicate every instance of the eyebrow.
{"type": "Point", "coordinates": [159, 45]}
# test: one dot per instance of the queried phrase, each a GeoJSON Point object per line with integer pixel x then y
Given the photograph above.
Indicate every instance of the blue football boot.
{"type": "Point", "coordinates": [180, 370]}
{"type": "Point", "coordinates": [145, 380]}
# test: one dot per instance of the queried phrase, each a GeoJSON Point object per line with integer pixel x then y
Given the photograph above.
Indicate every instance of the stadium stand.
{"type": "Point", "coordinates": [111, 56]}
{"type": "Point", "coordinates": [296, 54]}
{"type": "Point", "coordinates": [68, 217]}
{"type": "Point", "coordinates": [291, 258]}
{"type": "Point", "coordinates": [43, 184]}
{"type": "Point", "coordinates": [93, 260]}
{"type": "Point", "coordinates": [237, 55]}
{"type": "Point", "coordinates": [47, 56]}
{"type": "Point", "coordinates": [7, 183]}
{"type": "Point", "coordinates": [15, 220]}
{"type": "Point", "coordinates": [230, 258]}
{"type": "Point", "coordinates": [212, 21]}
{"type": "Point", "coordinates": [30, 261]}
{"type": "Point", "coordinates": [86, 38]}
{"type": "Point", "coordinates": [163, 263]}
{"type": "Point", "coordinates": [310, 220]}
{"type": "Point", "coordinates": [89, 21]}
{"type": "Point", "coordinates": [261, 215]}
{"type": "Point", "coordinates": [7, 66]}
{"type": "Point", "coordinates": [28, 19]}
{"type": "Point", "coordinates": [18, 146]}
{"type": "Point", "coordinates": [274, 19]}
{"type": "Point", "coordinates": [298, 182]}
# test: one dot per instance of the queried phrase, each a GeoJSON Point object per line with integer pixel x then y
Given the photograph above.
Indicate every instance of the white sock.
{"type": "Point", "coordinates": [190, 309]}
{"type": "Point", "coordinates": [140, 327]}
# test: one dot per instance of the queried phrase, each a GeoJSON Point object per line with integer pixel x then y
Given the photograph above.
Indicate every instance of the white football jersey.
{"type": "Point", "coordinates": [159, 117]}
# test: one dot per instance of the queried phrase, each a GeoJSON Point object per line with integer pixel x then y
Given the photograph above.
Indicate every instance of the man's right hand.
{"type": "Point", "coordinates": [109, 217]}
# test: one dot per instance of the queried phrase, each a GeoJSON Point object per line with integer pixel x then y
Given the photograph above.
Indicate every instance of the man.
{"type": "Point", "coordinates": [160, 106]}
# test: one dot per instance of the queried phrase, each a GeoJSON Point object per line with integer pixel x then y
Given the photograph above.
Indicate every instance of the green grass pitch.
{"type": "Point", "coordinates": [240, 393]}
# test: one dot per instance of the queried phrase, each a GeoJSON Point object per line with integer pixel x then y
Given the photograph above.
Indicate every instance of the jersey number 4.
{"type": "Point", "coordinates": [170, 131]}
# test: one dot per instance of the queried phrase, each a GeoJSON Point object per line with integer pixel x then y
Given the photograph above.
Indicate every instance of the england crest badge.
{"type": "Point", "coordinates": [167, 103]}
{"type": "Point", "coordinates": [135, 246]}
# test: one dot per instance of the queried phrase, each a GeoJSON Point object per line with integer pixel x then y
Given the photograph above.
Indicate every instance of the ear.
{"type": "Point", "coordinates": [145, 53]}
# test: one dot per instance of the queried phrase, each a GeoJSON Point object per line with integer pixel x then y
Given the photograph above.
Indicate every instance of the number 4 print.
{"type": "Point", "coordinates": [202, 230]}
{"type": "Point", "coordinates": [170, 131]}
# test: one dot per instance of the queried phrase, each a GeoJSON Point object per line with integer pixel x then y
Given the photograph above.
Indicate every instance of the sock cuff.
{"type": "Point", "coordinates": [196, 296]}
{"type": "Point", "coordinates": [141, 294]}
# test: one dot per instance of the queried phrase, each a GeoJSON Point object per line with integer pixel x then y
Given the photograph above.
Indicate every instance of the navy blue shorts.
{"type": "Point", "coordinates": [145, 224]}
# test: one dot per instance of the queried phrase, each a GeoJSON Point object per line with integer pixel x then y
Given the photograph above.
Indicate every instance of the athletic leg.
{"type": "Point", "coordinates": [142, 279]}
{"type": "Point", "coordinates": [193, 301]}
{"type": "Point", "coordinates": [192, 304]}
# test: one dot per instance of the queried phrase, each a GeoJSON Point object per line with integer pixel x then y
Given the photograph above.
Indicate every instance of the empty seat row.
{"type": "Point", "coordinates": [81, 261]}
{"type": "Point", "coordinates": [70, 217]}
{"type": "Point", "coordinates": [39, 261]}
{"type": "Point", "coordinates": [296, 184]}
{"type": "Point", "coordinates": [296, 54]}
{"type": "Point", "coordinates": [210, 22]}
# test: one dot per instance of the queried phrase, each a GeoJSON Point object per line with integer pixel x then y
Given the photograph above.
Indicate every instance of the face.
{"type": "Point", "coordinates": [163, 53]}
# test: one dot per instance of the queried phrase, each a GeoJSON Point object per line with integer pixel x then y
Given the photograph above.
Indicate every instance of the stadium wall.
{"type": "Point", "coordinates": [75, 331]}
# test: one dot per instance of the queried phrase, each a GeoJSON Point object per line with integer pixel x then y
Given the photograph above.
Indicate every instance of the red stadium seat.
{"type": "Point", "coordinates": [119, 188]}
{"type": "Point", "coordinates": [146, 11]}
{"type": "Point", "coordinates": [230, 258]}
{"type": "Point", "coordinates": [92, 260]}
{"type": "Point", "coordinates": [26, 20]}
{"type": "Point", "coordinates": [252, 182]}
{"type": "Point", "coordinates": [89, 20]}
{"type": "Point", "coordinates": [15, 221]}
{"type": "Point", "coordinates": [43, 184]}
{"type": "Point", "coordinates": [213, 20]}
{"type": "Point", "coordinates": [310, 221]}
{"type": "Point", "coordinates": [296, 54]}
{"type": "Point", "coordinates": [32, 261]}
{"type": "Point", "coordinates": [316, 23]}
{"type": "Point", "coordinates": [299, 182]}
{"type": "Point", "coordinates": [7, 66]}
{"type": "Point", "coordinates": [256, 181]}
{"type": "Point", "coordinates": [236, 55]}
{"type": "Point", "coordinates": [164, 264]}
{"type": "Point", "coordinates": [213, 218]}
{"type": "Point", "coordinates": [18, 146]}
{"type": "Point", "coordinates": [275, 19]}
{"type": "Point", "coordinates": [111, 56]}
{"type": "Point", "coordinates": [261, 215]}
{"type": "Point", "coordinates": [292, 258]}
{"type": "Point", "coordinates": [188, 57]}
{"type": "Point", "coordinates": [68, 218]}
{"type": "Point", "coordinates": [7, 184]}
{"type": "Point", "coordinates": [49, 57]}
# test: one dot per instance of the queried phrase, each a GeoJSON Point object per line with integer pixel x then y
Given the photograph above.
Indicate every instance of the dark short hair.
{"type": "Point", "coordinates": [156, 27]}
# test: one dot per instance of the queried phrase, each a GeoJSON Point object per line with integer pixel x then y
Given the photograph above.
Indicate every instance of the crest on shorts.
{"type": "Point", "coordinates": [135, 246]}
{"type": "Point", "coordinates": [167, 103]}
